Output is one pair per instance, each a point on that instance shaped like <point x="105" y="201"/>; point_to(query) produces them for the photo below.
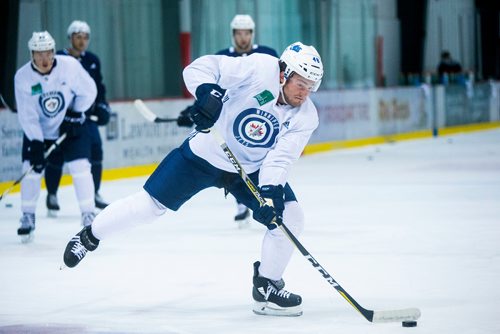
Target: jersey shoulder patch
<point x="264" y="97"/>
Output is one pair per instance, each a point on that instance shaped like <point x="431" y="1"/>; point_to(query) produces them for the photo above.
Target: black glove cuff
<point x="74" y="117"/>
<point x="36" y="145"/>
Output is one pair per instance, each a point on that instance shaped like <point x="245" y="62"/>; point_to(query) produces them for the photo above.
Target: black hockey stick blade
<point x="149" y="115"/>
<point x="409" y="314"/>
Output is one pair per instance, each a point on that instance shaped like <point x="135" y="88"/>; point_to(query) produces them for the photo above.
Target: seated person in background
<point x="448" y="66"/>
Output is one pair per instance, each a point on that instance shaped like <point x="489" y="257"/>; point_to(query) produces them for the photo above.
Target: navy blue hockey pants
<point x="182" y="174"/>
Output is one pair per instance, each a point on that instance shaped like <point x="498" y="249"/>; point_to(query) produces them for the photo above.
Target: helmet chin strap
<point x="282" y="85"/>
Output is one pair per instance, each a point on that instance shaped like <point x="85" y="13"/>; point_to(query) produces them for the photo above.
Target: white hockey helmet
<point x="242" y="22"/>
<point x="78" y="26"/>
<point x="41" y="41"/>
<point x="303" y="60"/>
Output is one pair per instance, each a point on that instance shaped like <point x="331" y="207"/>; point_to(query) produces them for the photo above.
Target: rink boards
<point x="348" y="118"/>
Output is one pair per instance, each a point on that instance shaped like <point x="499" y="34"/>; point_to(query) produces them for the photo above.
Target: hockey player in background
<point x="79" y="36"/>
<point x="52" y="95"/>
<point x="261" y="107"/>
<point x="242" y="36"/>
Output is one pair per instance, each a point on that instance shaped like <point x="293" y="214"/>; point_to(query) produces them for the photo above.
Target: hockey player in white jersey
<point x="261" y="106"/>
<point x="242" y="36"/>
<point x="52" y="94"/>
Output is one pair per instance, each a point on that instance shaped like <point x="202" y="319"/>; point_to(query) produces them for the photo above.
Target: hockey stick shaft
<point x="255" y="191"/>
<point x="149" y="115"/>
<point x="46" y="155"/>
<point x="372" y="316"/>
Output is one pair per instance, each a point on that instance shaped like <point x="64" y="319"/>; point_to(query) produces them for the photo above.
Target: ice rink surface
<point x="409" y="224"/>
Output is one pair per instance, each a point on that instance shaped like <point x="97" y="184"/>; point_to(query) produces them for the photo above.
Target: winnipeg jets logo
<point x="255" y="128"/>
<point x="51" y="103"/>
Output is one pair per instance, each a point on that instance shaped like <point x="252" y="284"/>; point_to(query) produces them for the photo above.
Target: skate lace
<point x="280" y="293"/>
<point x="78" y="249"/>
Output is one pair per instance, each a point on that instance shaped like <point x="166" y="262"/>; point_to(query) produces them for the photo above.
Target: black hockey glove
<point x="72" y="124"/>
<point x="271" y="213"/>
<point x="184" y="119"/>
<point x="206" y="110"/>
<point x="36" y="155"/>
<point x="102" y="111"/>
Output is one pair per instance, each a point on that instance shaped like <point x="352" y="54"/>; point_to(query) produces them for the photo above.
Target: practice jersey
<point x="231" y="52"/>
<point x="42" y="99"/>
<point x="92" y="65"/>
<point x="261" y="133"/>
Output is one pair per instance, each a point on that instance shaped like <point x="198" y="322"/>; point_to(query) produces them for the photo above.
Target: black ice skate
<point x="242" y="217"/>
<point x="99" y="202"/>
<point x="78" y="247"/>
<point x="25" y="231"/>
<point x="272" y="299"/>
<point x="52" y="205"/>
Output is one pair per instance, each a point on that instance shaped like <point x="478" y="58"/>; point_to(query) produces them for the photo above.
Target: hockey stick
<point x="149" y="115"/>
<point x="46" y="155"/>
<point x="409" y="314"/>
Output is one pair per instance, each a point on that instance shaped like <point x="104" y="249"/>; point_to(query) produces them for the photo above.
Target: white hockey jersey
<point x="42" y="99"/>
<point x="261" y="133"/>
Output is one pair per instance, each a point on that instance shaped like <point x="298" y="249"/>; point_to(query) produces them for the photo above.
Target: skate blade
<point x="243" y="224"/>
<point x="52" y="213"/>
<point x="27" y="238"/>
<point x="263" y="308"/>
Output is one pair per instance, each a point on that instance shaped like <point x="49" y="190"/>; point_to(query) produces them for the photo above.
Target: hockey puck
<point x="409" y="324"/>
<point x="8" y="205"/>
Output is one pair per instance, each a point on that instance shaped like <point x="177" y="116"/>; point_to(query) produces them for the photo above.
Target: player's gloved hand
<point x="72" y="124"/>
<point x="206" y="110"/>
<point x="36" y="154"/>
<point x="184" y="119"/>
<point x="102" y="111"/>
<point x="271" y="213"/>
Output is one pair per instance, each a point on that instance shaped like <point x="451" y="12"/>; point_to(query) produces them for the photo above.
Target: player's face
<point x="43" y="60"/>
<point x="297" y="89"/>
<point x="80" y="41"/>
<point x="243" y="39"/>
